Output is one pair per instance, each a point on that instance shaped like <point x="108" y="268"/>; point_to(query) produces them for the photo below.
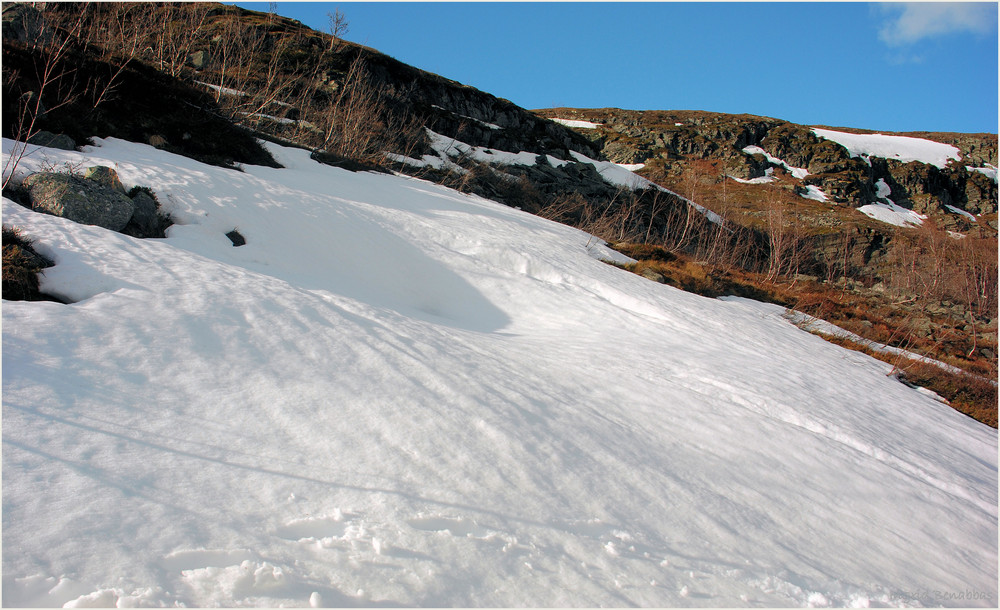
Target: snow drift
<point x="397" y="394"/>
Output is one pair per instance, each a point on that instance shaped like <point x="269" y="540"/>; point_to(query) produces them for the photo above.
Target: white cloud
<point x="913" y="21"/>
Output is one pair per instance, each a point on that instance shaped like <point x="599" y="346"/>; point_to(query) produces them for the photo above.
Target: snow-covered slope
<point x="399" y="394"/>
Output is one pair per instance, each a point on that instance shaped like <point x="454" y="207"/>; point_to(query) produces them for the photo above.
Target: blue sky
<point x="884" y="66"/>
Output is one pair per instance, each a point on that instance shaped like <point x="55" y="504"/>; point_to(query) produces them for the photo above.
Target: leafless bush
<point x="175" y="29"/>
<point x="787" y="246"/>
<point x="56" y="81"/>
<point x="337" y="28"/>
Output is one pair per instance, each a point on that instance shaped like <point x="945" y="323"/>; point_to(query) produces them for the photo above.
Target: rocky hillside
<point x="740" y="146"/>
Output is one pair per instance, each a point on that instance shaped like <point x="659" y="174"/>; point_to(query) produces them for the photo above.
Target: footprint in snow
<point x="195" y="559"/>
<point x="456" y="527"/>
<point x="299" y="529"/>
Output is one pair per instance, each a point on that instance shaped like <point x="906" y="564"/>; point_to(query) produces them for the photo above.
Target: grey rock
<point x="145" y="220"/>
<point x="198" y="59"/>
<point x="656" y="276"/>
<point x="102" y="174"/>
<point x="51" y="140"/>
<point x="79" y="200"/>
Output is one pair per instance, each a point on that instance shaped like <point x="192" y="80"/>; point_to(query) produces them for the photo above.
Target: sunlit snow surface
<point x="901" y="148"/>
<point x="578" y="124"/>
<point x="397" y="394"/>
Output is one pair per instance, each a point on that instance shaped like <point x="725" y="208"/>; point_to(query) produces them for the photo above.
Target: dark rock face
<point x="146" y="103"/>
<point x="23" y="23"/>
<point x="78" y="199"/>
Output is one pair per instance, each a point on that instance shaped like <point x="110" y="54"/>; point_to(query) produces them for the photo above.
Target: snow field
<point x="399" y="394"/>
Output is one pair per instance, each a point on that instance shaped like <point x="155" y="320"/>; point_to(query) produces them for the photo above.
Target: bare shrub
<point x="55" y="82"/>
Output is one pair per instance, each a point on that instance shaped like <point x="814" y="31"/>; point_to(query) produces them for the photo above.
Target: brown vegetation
<point x="867" y="315"/>
<point x="21" y="265"/>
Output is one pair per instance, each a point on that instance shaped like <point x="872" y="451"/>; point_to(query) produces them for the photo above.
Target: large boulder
<point x="78" y="199"/>
<point x="51" y="140"/>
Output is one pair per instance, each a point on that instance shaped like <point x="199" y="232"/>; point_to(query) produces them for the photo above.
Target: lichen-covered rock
<point x="78" y="199"/>
<point x="102" y="174"/>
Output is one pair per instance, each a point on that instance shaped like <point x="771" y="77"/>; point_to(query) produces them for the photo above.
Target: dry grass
<point x="20" y="268"/>
<point x="972" y="395"/>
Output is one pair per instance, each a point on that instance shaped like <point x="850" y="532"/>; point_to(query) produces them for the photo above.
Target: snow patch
<point x="614" y="173"/>
<point x="882" y="190"/>
<point x="960" y="212"/>
<point x="815" y="193"/>
<point x="223" y="90"/>
<point x="990" y="171"/>
<point x="767" y="177"/>
<point x="901" y="148"/>
<point x="493" y="126"/>
<point x="276" y="119"/>
<point x="796" y="172"/>
<point x="577" y="124"/>
<point x="892" y="214"/>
